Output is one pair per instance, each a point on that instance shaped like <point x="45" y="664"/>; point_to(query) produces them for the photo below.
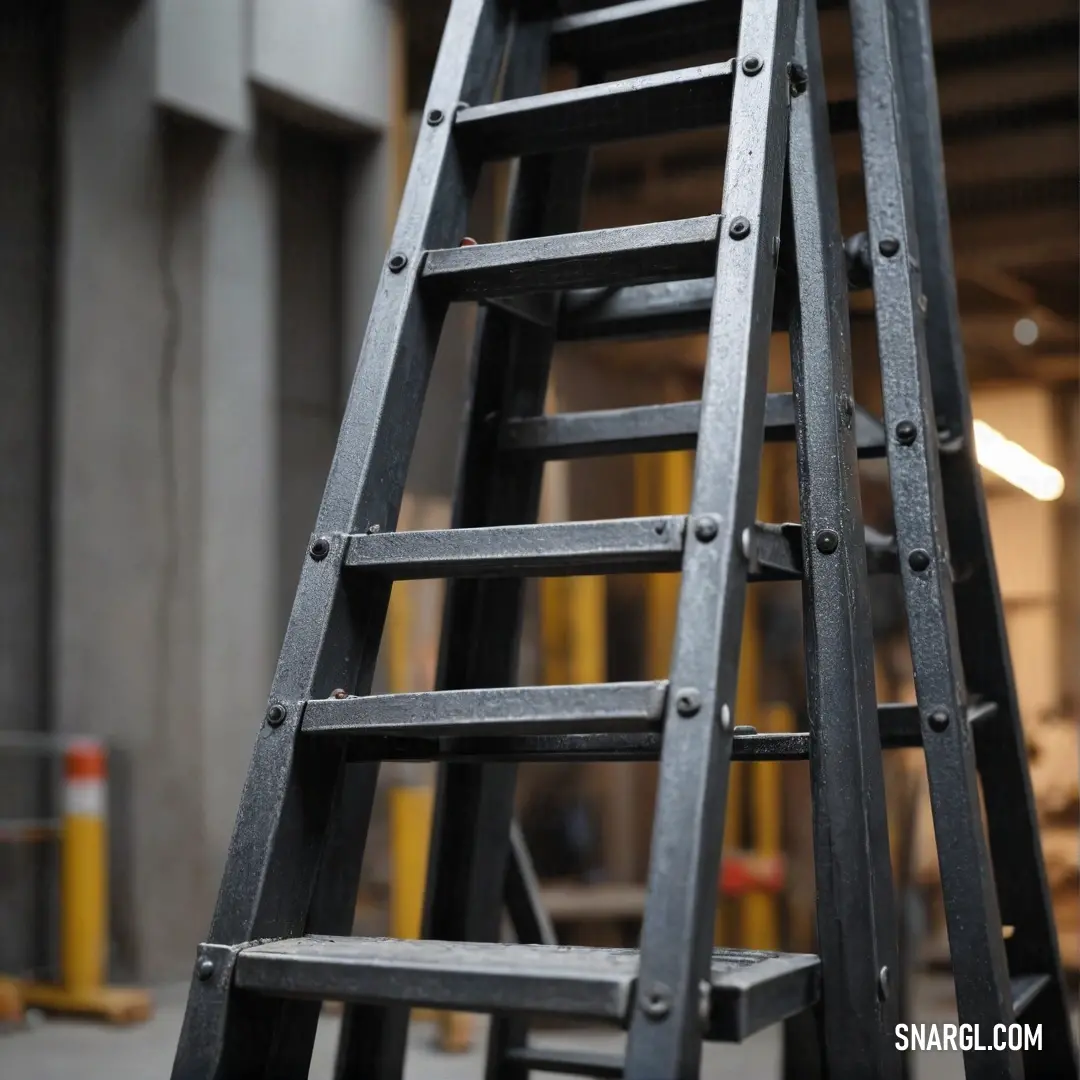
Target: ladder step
<point x="572" y="548"/>
<point x="749" y="989"/>
<point x="1025" y="989"/>
<point x="592" y="722"/>
<point x="670" y="101"/>
<point x="644" y="31"/>
<point x="663" y="309"/>
<point x="635" y="254"/>
<point x="652" y="428"/>
<point x="623" y="545"/>
<point x="633" y="706"/>
<point x="548" y="1059"/>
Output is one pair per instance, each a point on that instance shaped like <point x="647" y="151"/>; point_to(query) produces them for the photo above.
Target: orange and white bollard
<point x="84" y="899"/>
<point x="84" y="887"/>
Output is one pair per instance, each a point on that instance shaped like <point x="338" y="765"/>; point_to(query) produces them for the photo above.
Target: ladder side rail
<point x="677" y="932"/>
<point x="282" y="826"/>
<point x="856" y="917"/>
<point x="972" y="914"/>
<point x="470" y="839"/>
<point x="1012" y="821"/>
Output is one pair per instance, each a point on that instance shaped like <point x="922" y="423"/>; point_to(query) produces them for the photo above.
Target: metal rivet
<point x="938" y="720"/>
<point x="204" y="968"/>
<point x="745" y="729"/>
<point x="889" y="246"/>
<point x="320" y="548"/>
<point x="883" y="984"/>
<point x="373" y="529"/>
<point x="725" y="717"/>
<point x="740" y="229"/>
<point x="688" y="702"/>
<point x="339" y="694"/>
<point x="798" y="78"/>
<point x="467" y="241"/>
<point x="919" y="559"/>
<point x="706" y="528"/>
<point x="847" y="408"/>
<point x="827" y="541"/>
<point x="923" y="303"/>
<point x="752" y="65"/>
<point x="906" y="432"/>
<point x="435" y="117"/>
<point x="276" y="714"/>
<point x="398" y="262"/>
<point x="657" y="1002"/>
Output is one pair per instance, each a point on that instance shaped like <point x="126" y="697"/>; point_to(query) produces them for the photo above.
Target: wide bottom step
<point x="750" y="990"/>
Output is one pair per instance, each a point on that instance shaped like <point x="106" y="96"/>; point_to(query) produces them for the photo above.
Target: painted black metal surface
<point x="665" y="1034"/>
<point x="856" y="918"/>
<point x="632" y="255"/>
<point x="745" y="990"/>
<point x="271" y="884"/>
<point x="589" y="115"/>
<point x="276" y="945"/>
<point x="655" y="428"/>
<point x="1001" y="755"/>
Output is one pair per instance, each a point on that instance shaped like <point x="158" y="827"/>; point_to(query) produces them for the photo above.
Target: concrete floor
<point x="58" y="1049"/>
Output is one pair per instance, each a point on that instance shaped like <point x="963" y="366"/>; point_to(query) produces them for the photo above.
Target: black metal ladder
<point x="280" y="939"/>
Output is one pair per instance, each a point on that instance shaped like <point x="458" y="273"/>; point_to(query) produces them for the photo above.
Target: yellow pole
<point x="83" y="862"/>
<point x="410" y="836"/>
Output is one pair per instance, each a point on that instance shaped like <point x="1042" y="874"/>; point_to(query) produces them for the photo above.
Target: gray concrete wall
<point x="213" y="272"/>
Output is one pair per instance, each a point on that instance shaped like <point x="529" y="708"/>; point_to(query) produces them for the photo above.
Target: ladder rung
<point x="633" y="706"/>
<point x="635" y="254"/>
<point x="652" y="428"/>
<point x="749" y="989"/>
<point x="644" y="31"/>
<point x="669" y="101"/>
<point x="637" y="311"/>
<point x="1025" y="989"/>
<point x="624" y="545"/>
<point x="550" y="1059"/>
<point x="898" y="723"/>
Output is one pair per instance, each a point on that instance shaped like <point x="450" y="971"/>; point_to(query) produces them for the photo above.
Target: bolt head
<point x="688" y="702"/>
<point x="827" y="541"/>
<point x="435" y="117"/>
<point x="889" y="247"/>
<point x="798" y="78"/>
<point x="656" y="1002"/>
<point x="706" y="528"/>
<point x="739" y="229"/>
<point x="938" y="720"/>
<point x="398" y="262"/>
<point x="204" y="968"/>
<point x="752" y="65"/>
<point x="275" y="715"/>
<point x="919" y="560"/>
<point x="320" y="548"/>
<point x="883" y="984"/>
<point x="906" y="432"/>
<point x="373" y="529"/>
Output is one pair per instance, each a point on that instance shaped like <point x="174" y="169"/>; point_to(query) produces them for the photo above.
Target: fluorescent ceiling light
<point x="1020" y="467"/>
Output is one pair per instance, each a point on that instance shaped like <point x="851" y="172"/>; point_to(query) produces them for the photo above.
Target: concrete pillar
<point x="163" y="614"/>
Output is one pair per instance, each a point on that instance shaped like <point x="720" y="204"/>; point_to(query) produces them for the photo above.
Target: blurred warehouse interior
<point x="195" y="202"/>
